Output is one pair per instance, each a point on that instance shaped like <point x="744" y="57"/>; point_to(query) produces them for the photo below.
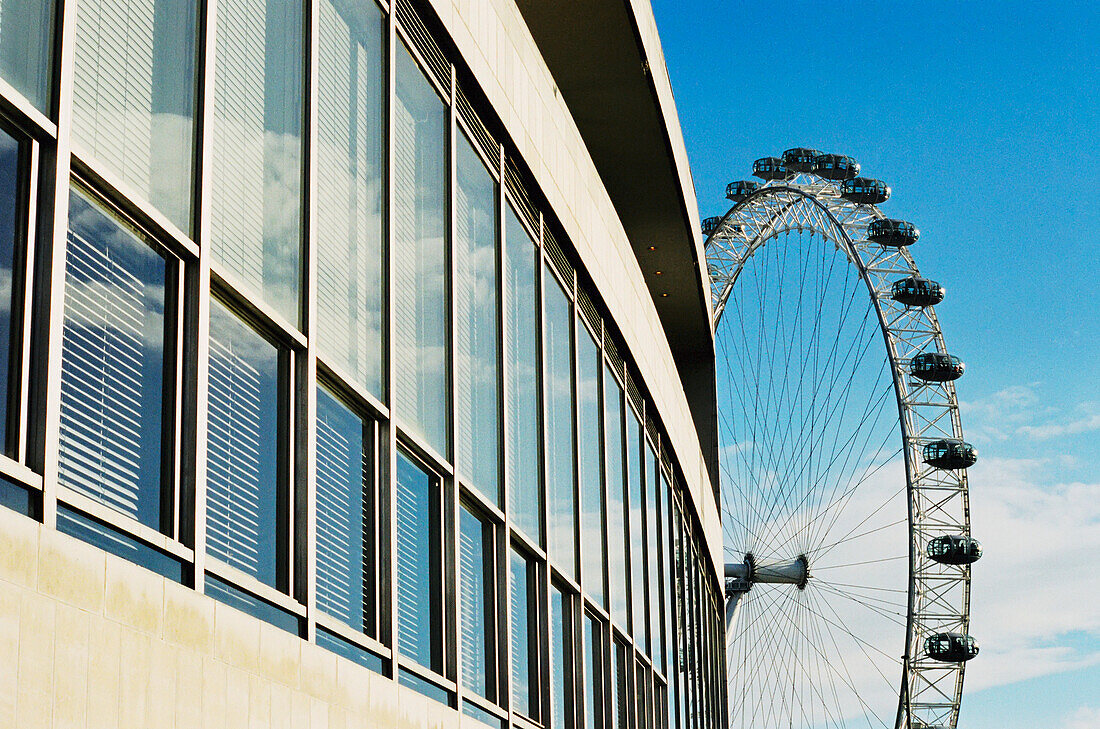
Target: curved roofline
<point x="606" y="58"/>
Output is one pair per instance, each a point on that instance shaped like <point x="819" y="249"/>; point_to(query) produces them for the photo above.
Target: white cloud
<point x="1018" y="412"/>
<point x="1056" y="430"/>
<point x="1034" y="588"/>
<point x="1085" y="717"/>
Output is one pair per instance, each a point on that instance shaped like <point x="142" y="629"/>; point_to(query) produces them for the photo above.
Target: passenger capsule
<point x="950" y="647"/>
<point x="865" y="191"/>
<point x="936" y="367"/>
<point x="919" y="724"/>
<point x="711" y="224"/>
<point x="954" y="549"/>
<point x="950" y="454"/>
<point x="738" y="191"/>
<point x="915" y="291"/>
<point x="771" y="168"/>
<point x="893" y="233"/>
<point x="835" y="167"/>
<point x="800" y="159"/>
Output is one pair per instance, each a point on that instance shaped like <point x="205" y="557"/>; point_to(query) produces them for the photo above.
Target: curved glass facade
<point x="289" y="324"/>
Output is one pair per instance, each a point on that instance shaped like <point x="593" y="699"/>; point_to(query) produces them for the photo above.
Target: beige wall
<point x="90" y="640"/>
<point x="493" y="39"/>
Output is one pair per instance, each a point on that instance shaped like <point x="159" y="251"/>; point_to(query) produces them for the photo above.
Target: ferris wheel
<point x="845" y="505"/>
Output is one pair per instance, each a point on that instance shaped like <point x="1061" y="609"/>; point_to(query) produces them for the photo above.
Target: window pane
<point x="118" y="543"/>
<point x="134" y="95"/>
<point x="561" y="660"/>
<point x="641" y="687"/>
<point x="420" y="255"/>
<point x="593" y="675"/>
<point x="255" y="226"/>
<point x="26" y="48"/>
<point x="616" y="497"/>
<point x="243" y="453"/>
<point x="350" y="148"/>
<point x="559" y="424"/>
<point x="655" y="558"/>
<point x="524" y="640"/>
<point x="477" y="368"/>
<point x="112" y="364"/>
<point x="522" y="386"/>
<point x="672" y="602"/>
<point x="636" y="538"/>
<point x="589" y="438"/>
<point x="12" y="213"/>
<point x="475" y="570"/>
<point x="418" y="584"/>
<point x="345" y="510"/>
<point x="620" y="689"/>
<point x="660" y="707"/>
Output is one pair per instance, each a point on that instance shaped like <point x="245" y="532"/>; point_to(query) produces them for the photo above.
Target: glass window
<point x="420" y="255"/>
<point x="636" y="539"/>
<point x="245" y="512"/>
<point x="12" y="233"/>
<point x="521" y="390"/>
<point x="477" y="368"/>
<point x="15" y="496"/>
<point x="256" y="200"/>
<point x="620" y="688"/>
<point x="118" y="543"/>
<point x="594" y="706"/>
<point x="114" y="401"/>
<point x="655" y="534"/>
<point x="26" y="48"/>
<point x="559" y="425"/>
<point x="561" y="660"/>
<point x="589" y="468"/>
<point x="345" y="513"/>
<point x="671" y="599"/>
<point x="641" y="699"/>
<point x="614" y="453"/>
<point x="134" y="96"/>
<point x="676" y="583"/>
<point x="525" y="644"/>
<point x="660" y="706"/>
<point x="476" y="603"/>
<point x="350" y="189"/>
<point x="419" y="581"/>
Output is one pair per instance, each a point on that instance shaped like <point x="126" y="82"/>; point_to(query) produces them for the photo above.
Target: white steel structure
<point x="823" y="504"/>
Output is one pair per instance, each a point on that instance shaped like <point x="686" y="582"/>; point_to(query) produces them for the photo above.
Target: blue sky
<point x="985" y="120"/>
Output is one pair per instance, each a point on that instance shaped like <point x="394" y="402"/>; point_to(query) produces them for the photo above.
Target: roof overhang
<point x="606" y="58"/>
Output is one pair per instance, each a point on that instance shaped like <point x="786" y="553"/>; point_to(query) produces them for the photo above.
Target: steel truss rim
<point x="929" y="692"/>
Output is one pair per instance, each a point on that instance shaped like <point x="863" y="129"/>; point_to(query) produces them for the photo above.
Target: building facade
<point x="358" y="369"/>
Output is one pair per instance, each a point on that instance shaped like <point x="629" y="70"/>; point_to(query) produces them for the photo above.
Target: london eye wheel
<point x="845" y="505"/>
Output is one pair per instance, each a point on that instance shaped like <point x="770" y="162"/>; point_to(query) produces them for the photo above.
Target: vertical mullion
<point x="179" y="408"/>
<point x="31" y="211"/>
<point x="501" y="496"/>
<point x="388" y="567"/>
<point x="573" y="687"/>
<point x="503" y="573"/>
<point x="452" y="646"/>
<point x="56" y="292"/>
<point x="306" y="552"/>
<point x="542" y="583"/>
<point x="200" y="295"/>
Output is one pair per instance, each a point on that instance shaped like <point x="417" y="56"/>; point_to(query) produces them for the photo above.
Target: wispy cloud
<point x="1034" y="605"/>
<point x="1085" y="717"/>
<point x="1047" y="431"/>
<point x="1019" y="412"/>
